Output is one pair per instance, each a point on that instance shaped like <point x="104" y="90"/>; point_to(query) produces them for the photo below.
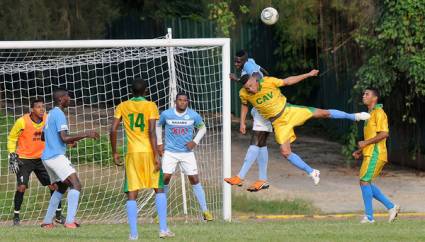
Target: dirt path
<point x="338" y="191"/>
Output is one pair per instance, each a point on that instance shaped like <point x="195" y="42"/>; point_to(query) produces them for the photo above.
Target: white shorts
<point x="186" y="160"/>
<point x="260" y="123"/>
<point x="59" y="168"/>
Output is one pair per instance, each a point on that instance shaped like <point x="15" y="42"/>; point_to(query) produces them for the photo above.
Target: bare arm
<point x="113" y="134"/>
<point x="244" y="112"/>
<point x="264" y="71"/>
<point x="153" y="141"/>
<point x="70" y="139"/>
<point x="292" y="80"/>
<point x="380" y="136"/>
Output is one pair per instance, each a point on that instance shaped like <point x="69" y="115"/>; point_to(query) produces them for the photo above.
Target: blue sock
<point x="378" y="195"/>
<point x="250" y="157"/>
<point x="161" y="208"/>
<point x="53" y="205"/>
<point x="73" y="196"/>
<point x="166" y="188"/>
<point x="132" y="217"/>
<point x="367" y="200"/>
<point x="200" y="195"/>
<point x="299" y="163"/>
<point x="263" y="158"/>
<point x="336" y="114"/>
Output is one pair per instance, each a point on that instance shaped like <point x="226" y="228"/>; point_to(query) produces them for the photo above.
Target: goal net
<point x="98" y="74"/>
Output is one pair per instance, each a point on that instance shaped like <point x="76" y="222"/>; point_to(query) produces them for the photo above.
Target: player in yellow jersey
<point x="374" y="151"/>
<point x="265" y="95"/>
<point x="142" y="163"/>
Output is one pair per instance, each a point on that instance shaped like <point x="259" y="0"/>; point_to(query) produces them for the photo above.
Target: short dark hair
<point x="139" y="87"/>
<point x="375" y="91"/>
<point x="241" y="53"/>
<point x="37" y="100"/>
<point x="244" y="79"/>
<point x="182" y="94"/>
<point x="58" y="93"/>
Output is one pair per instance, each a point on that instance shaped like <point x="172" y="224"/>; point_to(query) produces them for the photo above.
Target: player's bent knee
<point x="364" y="183"/>
<point x="62" y="187"/>
<point x="194" y="179"/>
<point x="21" y="188"/>
<point x="167" y="178"/>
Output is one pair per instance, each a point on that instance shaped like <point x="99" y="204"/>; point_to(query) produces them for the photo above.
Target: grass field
<point x="250" y="230"/>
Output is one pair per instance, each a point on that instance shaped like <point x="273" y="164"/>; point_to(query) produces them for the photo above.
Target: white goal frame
<point x="224" y="43"/>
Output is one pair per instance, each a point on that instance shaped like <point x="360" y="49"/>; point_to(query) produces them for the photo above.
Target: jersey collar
<point x="140" y="98"/>
<point x="260" y="82"/>
<point x="180" y="114"/>
<point x="377" y="106"/>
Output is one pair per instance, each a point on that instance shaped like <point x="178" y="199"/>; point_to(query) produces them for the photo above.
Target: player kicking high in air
<point x="142" y="164"/>
<point x="374" y="151"/>
<point x="180" y="123"/>
<point x="264" y="94"/>
<point x="57" y="164"/>
<point x="25" y="148"/>
<point x="261" y="129"/>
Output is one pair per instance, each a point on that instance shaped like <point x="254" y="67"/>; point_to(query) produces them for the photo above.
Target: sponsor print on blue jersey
<point x="179" y="128"/>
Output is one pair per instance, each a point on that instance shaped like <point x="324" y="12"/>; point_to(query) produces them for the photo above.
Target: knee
<point x="364" y="183"/>
<point x="21" y="188"/>
<point x="285" y="152"/>
<point x="323" y="113"/>
<point x="62" y="187"/>
<point x="77" y="186"/>
<point x="167" y="179"/>
<point x="194" y="179"/>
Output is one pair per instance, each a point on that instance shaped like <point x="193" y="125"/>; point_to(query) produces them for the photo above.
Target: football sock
<point x="161" y="207"/>
<point x="73" y="196"/>
<point x="200" y="195"/>
<point x="19" y="197"/>
<point x="132" y="217"/>
<point x="250" y="157"/>
<point x="336" y="114"/>
<point x="60" y="203"/>
<point x="299" y="163"/>
<point x="263" y="158"/>
<point x="53" y="205"/>
<point x="378" y="195"/>
<point x="367" y="200"/>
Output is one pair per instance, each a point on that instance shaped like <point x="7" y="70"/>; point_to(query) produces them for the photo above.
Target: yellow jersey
<point x="135" y="114"/>
<point x="378" y="122"/>
<point x="269" y="101"/>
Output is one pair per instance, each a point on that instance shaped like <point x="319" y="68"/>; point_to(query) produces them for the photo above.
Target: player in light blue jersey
<point x="180" y="123"/>
<point x="59" y="167"/>
<point x="261" y="130"/>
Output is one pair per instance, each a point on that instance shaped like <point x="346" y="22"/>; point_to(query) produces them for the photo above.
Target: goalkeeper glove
<point x="14" y="163"/>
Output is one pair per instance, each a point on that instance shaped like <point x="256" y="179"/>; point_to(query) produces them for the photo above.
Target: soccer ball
<point x="269" y="16"/>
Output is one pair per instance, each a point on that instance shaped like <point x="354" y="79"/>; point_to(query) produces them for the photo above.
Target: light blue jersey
<point x="179" y="128"/>
<point x="55" y="123"/>
<point x="251" y="67"/>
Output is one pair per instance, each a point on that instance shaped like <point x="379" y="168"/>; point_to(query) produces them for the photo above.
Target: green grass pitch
<point x="249" y="230"/>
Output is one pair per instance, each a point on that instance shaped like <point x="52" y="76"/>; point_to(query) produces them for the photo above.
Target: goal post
<point x="98" y="73"/>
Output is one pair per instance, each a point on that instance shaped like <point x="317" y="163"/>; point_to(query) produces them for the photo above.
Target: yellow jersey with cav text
<point x="135" y="114"/>
<point x="269" y="101"/>
<point x="378" y="122"/>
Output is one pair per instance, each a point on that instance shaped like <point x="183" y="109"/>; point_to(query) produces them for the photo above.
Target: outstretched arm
<point x="70" y="139"/>
<point x="292" y="80"/>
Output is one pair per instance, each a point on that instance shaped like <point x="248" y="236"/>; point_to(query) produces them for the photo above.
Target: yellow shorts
<point x="292" y="116"/>
<point x="140" y="172"/>
<point x="371" y="168"/>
